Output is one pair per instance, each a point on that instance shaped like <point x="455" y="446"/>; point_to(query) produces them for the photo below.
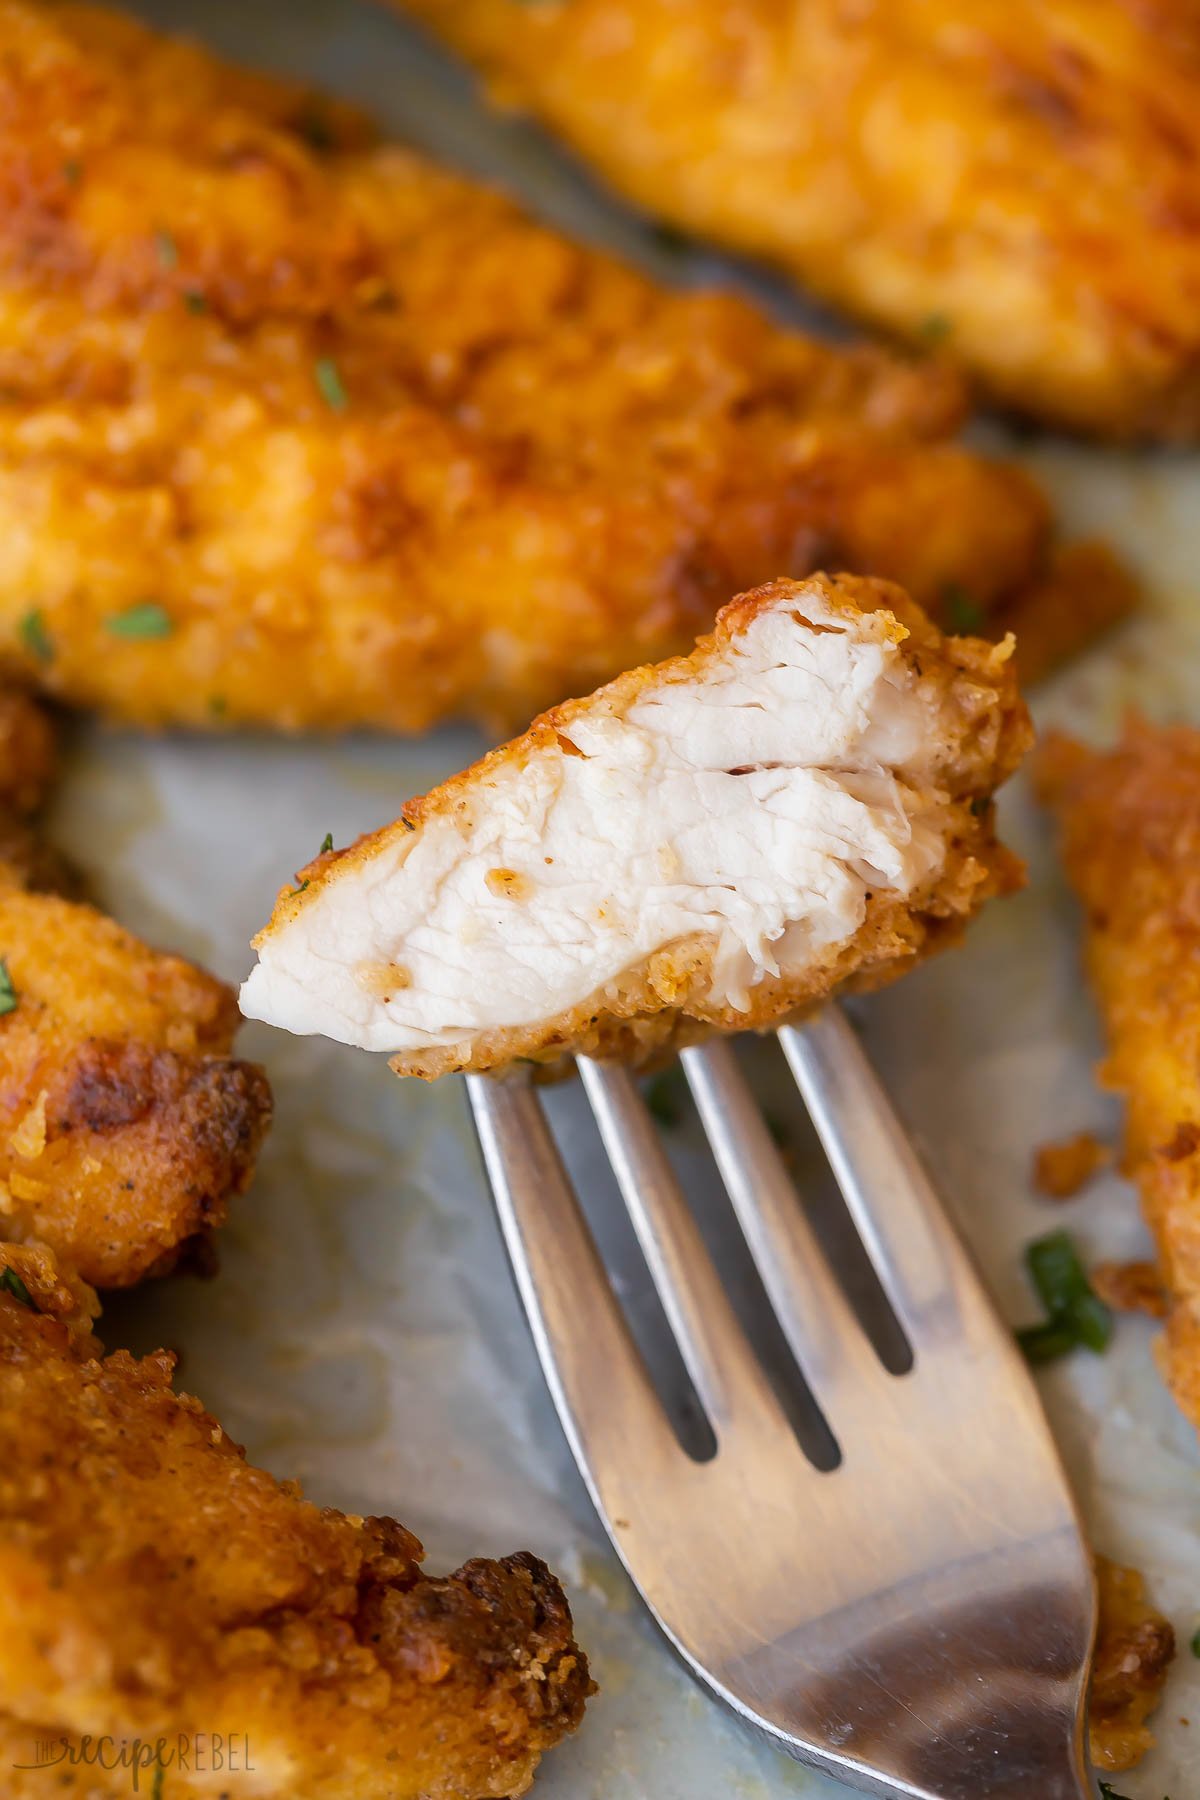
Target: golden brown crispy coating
<point x="320" y="437"/>
<point x="1012" y="180"/>
<point x="672" y="998"/>
<point x="125" y="1124"/>
<point x="1134" y="1650"/>
<point x="28" y="762"/>
<point x="152" y="1584"/>
<point x="1130" y="826"/>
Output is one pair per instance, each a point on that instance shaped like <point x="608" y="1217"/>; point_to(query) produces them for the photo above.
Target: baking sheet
<point x="363" y="1333"/>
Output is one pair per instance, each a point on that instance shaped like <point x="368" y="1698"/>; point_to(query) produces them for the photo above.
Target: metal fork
<point x="917" y="1621"/>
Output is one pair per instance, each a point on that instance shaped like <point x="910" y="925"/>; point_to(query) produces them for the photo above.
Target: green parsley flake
<point x="1077" y="1319"/>
<point x="35" y="637"/>
<point x="1110" y="1793"/>
<point x="1196" y="1641"/>
<point x="11" y="1282"/>
<point x="8" y="993"/>
<point x="218" y="706"/>
<point x="299" y="888"/>
<point x="963" y="614"/>
<point x="936" y="328"/>
<point x="167" y="248"/>
<point x="195" y="302"/>
<point x="1046" y="1343"/>
<point x="326" y="844"/>
<point x="665" y="1095"/>
<point x="72" y="172"/>
<point x="329" y="381"/>
<point x="145" y="620"/>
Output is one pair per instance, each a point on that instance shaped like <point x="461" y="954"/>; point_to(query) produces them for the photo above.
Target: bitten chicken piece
<point x="1130" y="827"/>
<point x="300" y="432"/>
<point x="1012" y="180"/>
<point x="711" y="844"/>
<point x="125" y="1124"/>
<point x="156" y="1588"/>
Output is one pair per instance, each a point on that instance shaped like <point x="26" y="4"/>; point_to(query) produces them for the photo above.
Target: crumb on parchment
<point x="1062" y="1169"/>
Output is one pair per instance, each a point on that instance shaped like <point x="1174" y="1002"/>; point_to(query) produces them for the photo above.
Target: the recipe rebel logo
<point x="147" y="1762"/>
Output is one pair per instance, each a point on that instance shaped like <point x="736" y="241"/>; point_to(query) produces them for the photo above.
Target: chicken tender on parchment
<point x="1014" y="181"/>
<point x="1130" y="825"/>
<point x="714" y="843"/>
<point x="125" y="1124"/>
<point x="300" y="432"/>
<point x="156" y="1589"/>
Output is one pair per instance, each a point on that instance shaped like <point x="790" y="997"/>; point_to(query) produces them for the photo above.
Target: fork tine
<point x="577" y="1324"/>
<point x="725" y="1372"/>
<point x="826" y="1338"/>
<point x="917" y="1256"/>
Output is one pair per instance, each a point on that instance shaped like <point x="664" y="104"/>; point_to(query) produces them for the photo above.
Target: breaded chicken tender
<point x="125" y="1124"/>
<point x="711" y="844"/>
<point x="300" y="432"/>
<point x="1130" y="826"/>
<point x="1014" y="181"/>
<point x="158" y="1592"/>
<point x="28" y="764"/>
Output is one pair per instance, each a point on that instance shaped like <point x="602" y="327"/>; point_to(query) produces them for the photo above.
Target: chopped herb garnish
<point x="167" y="248"/>
<point x="72" y="172"/>
<point x="1110" y="1793"/>
<point x="664" y="1096"/>
<point x="1056" y="1272"/>
<point x="1076" y="1317"/>
<point x="981" y="805"/>
<point x="326" y="843"/>
<point x="145" y="620"/>
<point x="1196" y="1642"/>
<point x="8" y="993"/>
<point x="218" y="706"/>
<point x="407" y="823"/>
<point x="12" y="1283"/>
<point x="195" y="302"/>
<point x="962" y="612"/>
<point x="299" y="888"/>
<point x="329" y="381"/>
<point x="1046" y="1343"/>
<point x="935" y="328"/>
<point x="35" y="637"/>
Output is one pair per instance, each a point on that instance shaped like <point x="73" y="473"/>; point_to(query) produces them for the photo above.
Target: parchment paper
<point x="363" y="1333"/>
